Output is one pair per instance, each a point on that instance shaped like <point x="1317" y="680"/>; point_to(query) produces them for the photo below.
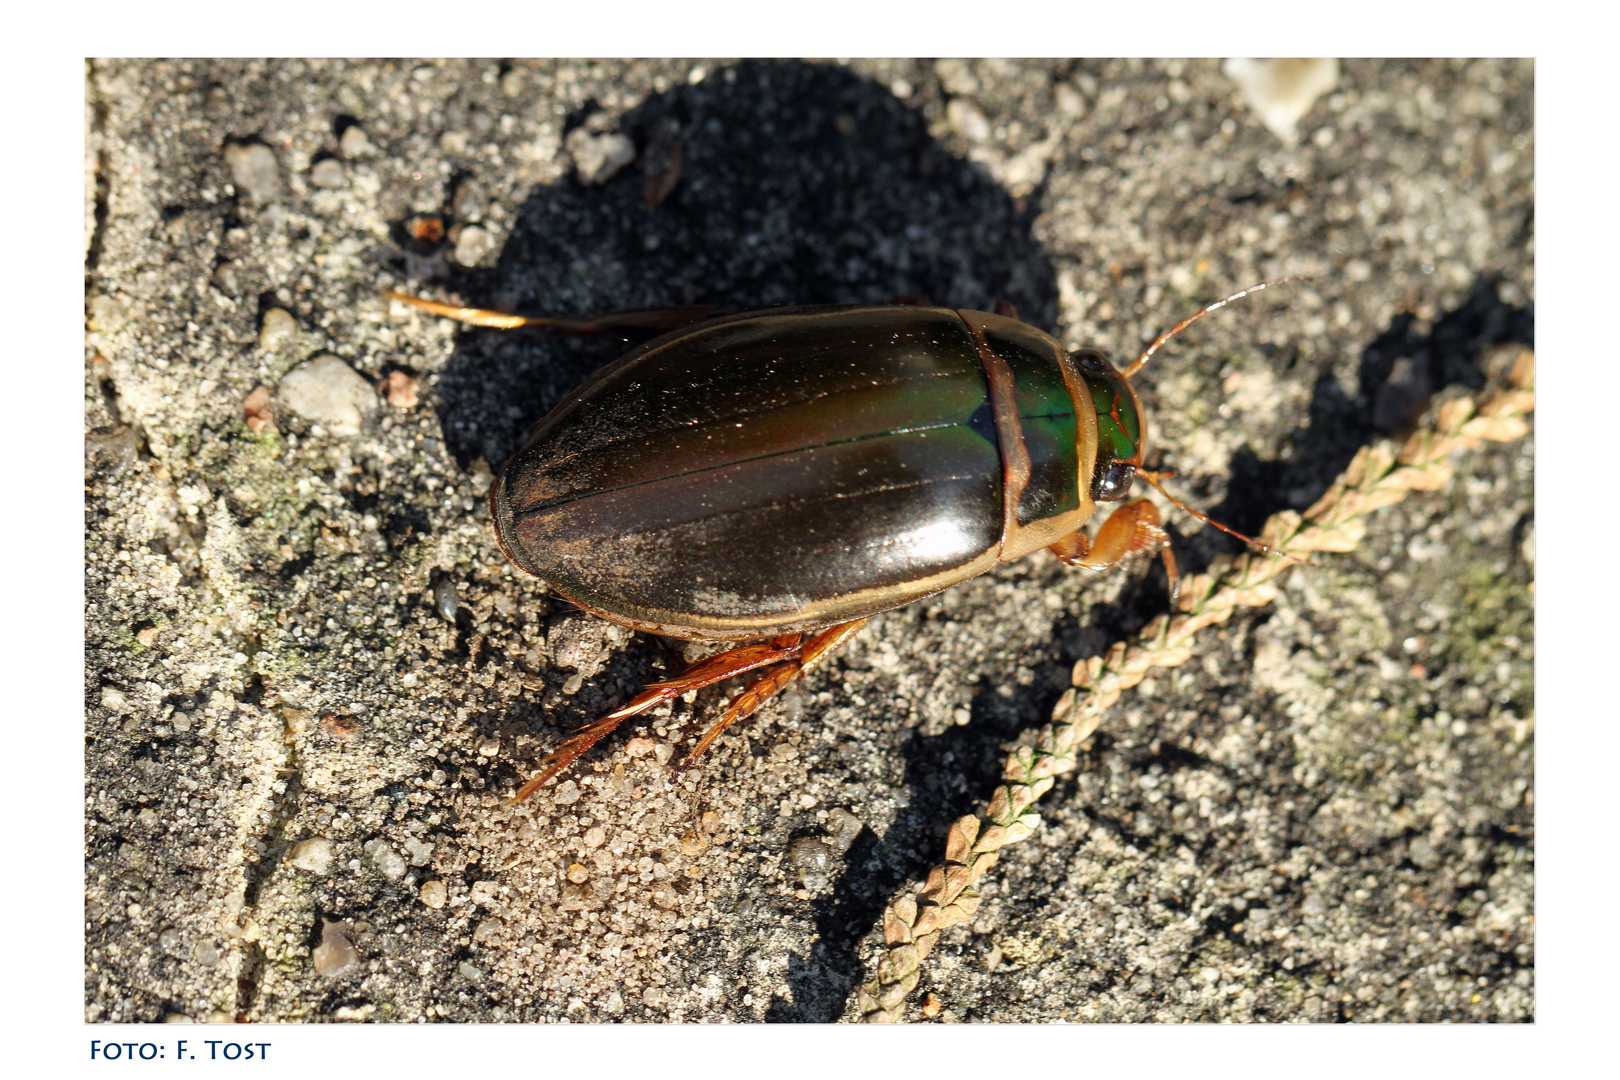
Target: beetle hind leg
<point x="645" y="320"/>
<point x="773" y="680"/>
<point x="1133" y="529"/>
<point x="703" y="673"/>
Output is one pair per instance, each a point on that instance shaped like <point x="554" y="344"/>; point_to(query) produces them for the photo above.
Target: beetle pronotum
<point x="776" y="478"/>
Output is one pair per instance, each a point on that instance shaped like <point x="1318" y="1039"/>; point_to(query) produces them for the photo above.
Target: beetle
<point x="775" y="478"/>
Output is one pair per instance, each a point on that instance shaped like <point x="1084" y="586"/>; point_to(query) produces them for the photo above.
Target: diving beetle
<point x="775" y="478"/>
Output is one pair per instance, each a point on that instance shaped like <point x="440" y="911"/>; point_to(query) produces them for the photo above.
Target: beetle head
<point x="1121" y="433"/>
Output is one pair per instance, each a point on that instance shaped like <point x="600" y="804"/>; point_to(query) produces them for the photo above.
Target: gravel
<point x="1326" y="814"/>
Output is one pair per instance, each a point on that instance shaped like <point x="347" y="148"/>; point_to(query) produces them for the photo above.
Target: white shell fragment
<point x="1283" y="91"/>
<point x="325" y="390"/>
<point x="598" y="158"/>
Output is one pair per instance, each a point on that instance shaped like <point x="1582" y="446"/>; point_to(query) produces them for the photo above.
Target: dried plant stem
<point x="1378" y="476"/>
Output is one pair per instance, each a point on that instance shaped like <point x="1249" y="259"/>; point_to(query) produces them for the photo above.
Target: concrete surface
<point x="1327" y="815"/>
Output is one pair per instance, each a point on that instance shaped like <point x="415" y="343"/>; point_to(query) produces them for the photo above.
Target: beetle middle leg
<point x="1130" y="530"/>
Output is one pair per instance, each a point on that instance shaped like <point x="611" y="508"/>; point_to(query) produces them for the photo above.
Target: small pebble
<point x="325" y="390"/>
<point x="328" y="173"/>
<point x="598" y="158"/>
<point x="445" y="599"/>
<point x="354" y="143"/>
<point x="426" y="229"/>
<point x="227" y="280"/>
<point x="473" y="244"/>
<point x="147" y="636"/>
<point x="256" y="410"/>
<point x="489" y="747"/>
<point x="254" y="171"/>
<point x="578" y="874"/>
<point x="346" y="728"/>
<point x="314" y="855"/>
<point x="842" y="829"/>
<point x="661" y="164"/>
<point x="566" y="793"/>
<point x="693" y="844"/>
<point x="966" y="120"/>
<point x="434" y="894"/>
<point x="386" y="859"/>
<point x="487" y="931"/>
<point x="400" y="389"/>
<point x="812" y="861"/>
<point x="169" y="941"/>
<point x="419" y="850"/>
<point x="276" y="328"/>
<point x="112" y="448"/>
<point x="205" y="954"/>
<point x="468" y="972"/>
<point x="468" y="201"/>
<point x="639" y="747"/>
<point x="335" y="954"/>
<point x="595" y="836"/>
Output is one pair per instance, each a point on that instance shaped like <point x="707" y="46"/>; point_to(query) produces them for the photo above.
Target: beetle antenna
<point x="1136" y="365"/>
<point x="1154" y="478"/>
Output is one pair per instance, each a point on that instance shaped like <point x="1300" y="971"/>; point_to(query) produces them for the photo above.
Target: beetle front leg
<point x="1130" y="530"/>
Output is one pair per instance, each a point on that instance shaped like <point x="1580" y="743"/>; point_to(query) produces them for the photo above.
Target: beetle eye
<point x="1113" y="483"/>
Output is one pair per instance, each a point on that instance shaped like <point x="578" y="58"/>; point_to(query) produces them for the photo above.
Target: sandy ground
<point x="311" y="678"/>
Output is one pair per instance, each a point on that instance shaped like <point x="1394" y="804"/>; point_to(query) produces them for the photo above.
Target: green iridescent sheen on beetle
<point x="1119" y="429"/>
